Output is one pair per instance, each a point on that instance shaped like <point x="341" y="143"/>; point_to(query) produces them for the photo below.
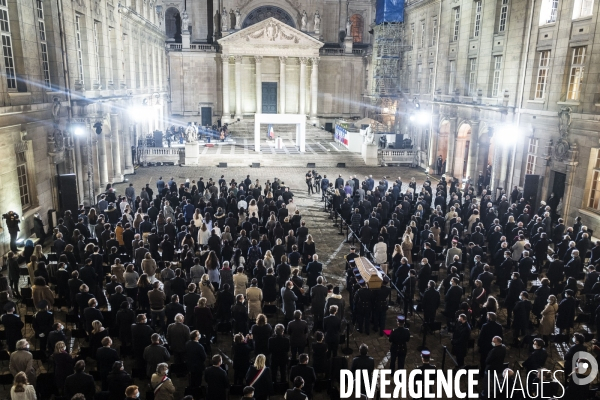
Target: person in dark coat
<point x="556" y="271"/>
<point x="195" y="359"/>
<point x="460" y="339"/>
<point x="12" y="326"/>
<point x="363" y="362"/>
<point x="216" y="380"/>
<point x="579" y="345"/>
<point x="541" y="298"/>
<point x="259" y="377"/>
<point x="521" y="312"/>
<point x="565" y="318"/>
<point x="80" y="382"/>
<point x="140" y="339"/>
<point x="242" y="347"/>
<point x="314" y="269"/>
<point x="537" y="359"/>
<point x="118" y="380"/>
<point x="495" y="358"/>
<point x="307" y="373"/>
<point x="63" y="364"/>
<point x="515" y="287"/>
<point x="452" y="299"/>
<point x="105" y="360"/>
<point x="332" y="326"/>
<point x="431" y="302"/>
<point x="489" y="330"/>
<point x="279" y="347"/>
<point x="398" y="343"/>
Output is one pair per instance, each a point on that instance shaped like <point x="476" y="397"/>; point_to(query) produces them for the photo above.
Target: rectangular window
<point x="594" y="199"/>
<point x="456" y="24"/>
<point x="531" y="156"/>
<point x="22" y="178"/>
<point x="583" y="8"/>
<point x="548" y="11"/>
<point x="110" y="54"/>
<point x="7" y="47"/>
<point x="477" y="25"/>
<point x="430" y="81"/>
<point x="418" y="86"/>
<point x="43" y="43"/>
<point x="97" y="51"/>
<point x="451" y="76"/>
<point x="79" y="45"/>
<point x="542" y="76"/>
<point x="472" y="76"/>
<point x="412" y="34"/>
<point x="503" y="15"/>
<point x="434" y="32"/>
<point x="422" y="34"/>
<point x="576" y="75"/>
<point x="496" y="78"/>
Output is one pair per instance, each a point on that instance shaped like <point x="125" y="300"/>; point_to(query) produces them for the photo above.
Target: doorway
<point x="206" y="113"/>
<point x="269" y="97"/>
<point x="558" y="185"/>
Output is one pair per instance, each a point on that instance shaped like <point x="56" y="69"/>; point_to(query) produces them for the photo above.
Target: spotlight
<point x="79" y="131"/>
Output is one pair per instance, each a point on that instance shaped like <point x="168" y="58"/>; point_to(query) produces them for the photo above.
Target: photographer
<point x="309" y="182"/>
<point x="12" y="223"/>
<point x="317" y="179"/>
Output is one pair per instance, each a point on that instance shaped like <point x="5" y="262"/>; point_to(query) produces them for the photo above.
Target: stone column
<point x="116" y="148"/>
<point x="302" y="89"/>
<point x="314" y="90"/>
<point x="258" y="61"/>
<point x="434" y="134"/>
<point x="282" y="61"/>
<point x="79" y="172"/>
<point x="226" y="118"/>
<point x="238" y="87"/>
<point x="127" y="150"/>
<point x="451" y="147"/>
<point x="102" y="160"/>
<point x="473" y="144"/>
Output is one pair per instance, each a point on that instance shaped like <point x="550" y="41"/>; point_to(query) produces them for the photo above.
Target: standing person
<point x="12" y="223"/>
<point x="398" y="339"/>
<point x="309" y="182"/>
<point x="161" y="383"/>
<point x="279" y="347"/>
<point x="460" y="340"/>
<point x="12" y="326"/>
<point x="304" y="371"/>
<point x="298" y="331"/>
<point x="259" y="377"/>
<point x="21" y="360"/>
<point x="332" y="326"/>
<point x="216" y="379"/>
<point x="195" y="359"/>
<point x="21" y="388"/>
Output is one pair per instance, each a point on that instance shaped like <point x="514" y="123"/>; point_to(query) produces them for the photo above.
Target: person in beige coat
<point x="40" y="291"/>
<point x="546" y="327"/>
<point x="160" y="378"/>
<point x="207" y="290"/>
<point x="254" y="296"/>
<point x="407" y="246"/>
<point x="240" y="282"/>
<point x="22" y="361"/>
<point x="149" y="267"/>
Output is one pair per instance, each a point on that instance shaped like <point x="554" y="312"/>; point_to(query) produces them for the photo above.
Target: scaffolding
<point x="388" y="52"/>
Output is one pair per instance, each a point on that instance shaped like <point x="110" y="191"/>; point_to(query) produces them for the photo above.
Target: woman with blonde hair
<point x="207" y="290"/>
<point x="92" y="221"/>
<point x="63" y="364"/>
<point x="39" y="253"/>
<point x="161" y="384"/>
<point x="98" y="333"/>
<point x="226" y="235"/>
<point x="203" y="234"/>
<point x="254" y="296"/>
<point x="168" y="210"/>
<point x="21" y="389"/>
<point x="240" y="282"/>
<point x="31" y="266"/>
<point x="139" y="218"/>
<point x="546" y="327"/>
<point x="203" y="318"/>
<point x="198" y="218"/>
<point x="259" y="377"/>
<point x="407" y="245"/>
<point x="253" y="208"/>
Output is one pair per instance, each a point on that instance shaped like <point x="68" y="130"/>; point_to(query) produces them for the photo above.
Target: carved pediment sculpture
<point x="561" y="149"/>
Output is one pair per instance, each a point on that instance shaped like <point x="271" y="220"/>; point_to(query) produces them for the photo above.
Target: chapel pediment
<point x="269" y="37"/>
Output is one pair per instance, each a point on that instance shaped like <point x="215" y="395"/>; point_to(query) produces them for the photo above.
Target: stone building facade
<point x="196" y="64"/>
<point x="72" y="72"/>
<point x="512" y="84"/>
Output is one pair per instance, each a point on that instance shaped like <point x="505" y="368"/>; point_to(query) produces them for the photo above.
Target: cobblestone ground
<point x="331" y="249"/>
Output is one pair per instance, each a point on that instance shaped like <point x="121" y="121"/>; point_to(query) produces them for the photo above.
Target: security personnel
<point x="425" y="359"/>
<point x="398" y="339"/>
<point x="380" y="305"/>
<point x="351" y="256"/>
<point x="363" y="302"/>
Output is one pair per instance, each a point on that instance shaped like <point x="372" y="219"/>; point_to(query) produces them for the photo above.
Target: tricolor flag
<point x="270" y="132"/>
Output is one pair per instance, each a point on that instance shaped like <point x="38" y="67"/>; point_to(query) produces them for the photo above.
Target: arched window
<point x="263" y="12"/>
<point x="173" y="24"/>
<point x="357" y="28"/>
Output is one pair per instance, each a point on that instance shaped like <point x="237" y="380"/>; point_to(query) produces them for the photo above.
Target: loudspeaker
<point x="341" y="165"/>
<point x="310" y="165"/>
<point x="531" y="189"/>
<point x="67" y="192"/>
<point x="255" y="165"/>
<point x="222" y="165"/>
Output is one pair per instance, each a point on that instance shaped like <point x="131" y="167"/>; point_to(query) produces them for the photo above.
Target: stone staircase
<point x="244" y="129"/>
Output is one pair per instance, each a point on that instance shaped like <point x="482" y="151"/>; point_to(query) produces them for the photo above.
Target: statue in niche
<point x="224" y="20"/>
<point x="185" y="22"/>
<point x="191" y="133"/>
<point x="348" y="27"/>
<point x="216" y="21"/>
<point x="56" y="109"/>
<point x="317" y="22"/>
<point x="238" y="19"/>
<point x="303" y="21"/>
